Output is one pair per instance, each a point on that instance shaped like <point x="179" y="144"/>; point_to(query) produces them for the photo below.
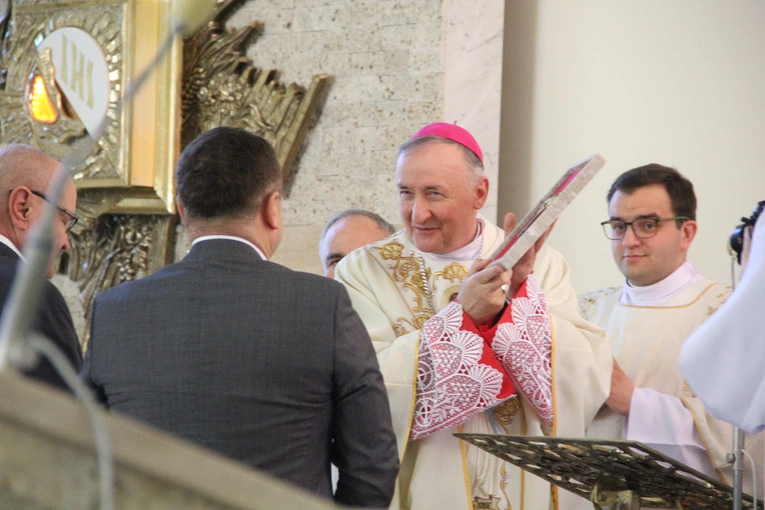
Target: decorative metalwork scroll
<point x="610" y="469"/>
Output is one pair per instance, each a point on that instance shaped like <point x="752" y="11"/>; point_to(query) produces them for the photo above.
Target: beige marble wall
<point x="473" y="49"/>
<point x="385" y="60"/>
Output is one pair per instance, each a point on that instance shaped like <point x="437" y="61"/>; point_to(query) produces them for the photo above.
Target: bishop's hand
<point x="522" y="269"/>
<point x="481" y="294"/>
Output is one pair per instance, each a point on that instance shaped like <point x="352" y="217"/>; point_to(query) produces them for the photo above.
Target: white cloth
<point x="471" y="251"/>
<point x="384" y="281"/>
<point x="724" y="361"/>
<point x="661" y="293"/>
<point x="664" y="413"/>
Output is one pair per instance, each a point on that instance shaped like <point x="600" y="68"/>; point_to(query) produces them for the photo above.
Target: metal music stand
<point x="612" y="474"/>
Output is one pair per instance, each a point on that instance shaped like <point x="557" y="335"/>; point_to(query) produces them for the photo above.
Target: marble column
<point x="473" y="42"/>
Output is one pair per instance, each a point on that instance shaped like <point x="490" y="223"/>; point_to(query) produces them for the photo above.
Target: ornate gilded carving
<point x="222" y="87"/>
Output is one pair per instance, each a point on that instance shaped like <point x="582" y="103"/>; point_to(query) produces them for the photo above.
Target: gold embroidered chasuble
<point x="385" y="282"/>
<point x="646" y="342"/>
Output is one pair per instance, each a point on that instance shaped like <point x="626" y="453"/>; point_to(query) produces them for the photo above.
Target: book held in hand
<point x="547" y="210"/>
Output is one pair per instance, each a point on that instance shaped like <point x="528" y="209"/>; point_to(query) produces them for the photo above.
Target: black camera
<point x="737" y="237"/>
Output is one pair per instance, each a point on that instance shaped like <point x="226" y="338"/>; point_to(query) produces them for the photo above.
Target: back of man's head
<point x="679" y="189"/>
<point x="225" y="173"/>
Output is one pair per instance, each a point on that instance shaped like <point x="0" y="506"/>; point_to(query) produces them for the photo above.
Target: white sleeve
<point x="729" y="345"/>
<point x="663" y="423"/>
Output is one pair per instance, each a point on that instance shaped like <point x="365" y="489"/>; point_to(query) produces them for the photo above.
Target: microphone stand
<point x="737" y="455"/>
<point x="738" y="468"/>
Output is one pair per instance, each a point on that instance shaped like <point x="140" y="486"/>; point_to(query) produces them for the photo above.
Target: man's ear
<point x="687" y="232"/>
<point x="19" y="207"/>
<point x="481" y="192"/>
<point x="272" y="210"/>
<point x="181" y="211"/>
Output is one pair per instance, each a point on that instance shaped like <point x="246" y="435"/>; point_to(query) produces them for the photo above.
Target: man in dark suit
<point x="25" y="173"/>
<point x="266" y="365"/>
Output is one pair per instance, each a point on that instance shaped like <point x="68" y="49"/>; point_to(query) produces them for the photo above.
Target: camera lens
<point x="736" y="240"/>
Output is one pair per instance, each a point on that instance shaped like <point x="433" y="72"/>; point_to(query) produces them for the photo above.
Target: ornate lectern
<point x="614" y="475"/>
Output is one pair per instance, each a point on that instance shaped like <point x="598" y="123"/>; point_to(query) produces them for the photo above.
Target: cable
<point x="100" y="430"/>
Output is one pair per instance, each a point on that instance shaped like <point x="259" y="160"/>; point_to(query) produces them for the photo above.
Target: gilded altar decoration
<point x="65" y="65"/>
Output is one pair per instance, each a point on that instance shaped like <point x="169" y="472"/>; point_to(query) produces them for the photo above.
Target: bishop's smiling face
<point x="439" y="196"/>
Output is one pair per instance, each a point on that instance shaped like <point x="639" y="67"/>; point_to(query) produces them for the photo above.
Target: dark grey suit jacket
<point x="53" y="320"/>
<point x="263" y="364"/>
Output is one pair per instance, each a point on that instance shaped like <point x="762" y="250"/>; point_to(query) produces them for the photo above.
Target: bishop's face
<point x="439" y="197"/>
<point x="648" y="261"/>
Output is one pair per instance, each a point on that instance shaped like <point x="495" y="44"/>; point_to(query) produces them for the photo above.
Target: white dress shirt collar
<point x="230" y="238"/>
<point x="662" y="292"/>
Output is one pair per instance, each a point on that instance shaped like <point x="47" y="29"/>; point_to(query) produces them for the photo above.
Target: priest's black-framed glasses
<point x="643" y="228"/>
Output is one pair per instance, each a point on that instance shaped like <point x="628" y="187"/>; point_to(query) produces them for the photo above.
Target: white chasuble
<point x="665" y="414"/>
<point x="438" y="471"/>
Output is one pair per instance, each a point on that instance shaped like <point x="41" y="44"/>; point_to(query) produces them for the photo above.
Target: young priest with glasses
<point x="652" y="223"/>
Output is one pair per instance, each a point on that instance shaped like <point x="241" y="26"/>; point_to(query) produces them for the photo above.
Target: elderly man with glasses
<point x="651" y="225"/>
<point x="25" y="173"/>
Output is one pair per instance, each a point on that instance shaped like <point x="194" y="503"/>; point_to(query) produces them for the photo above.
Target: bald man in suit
<point x="25" y="173"/>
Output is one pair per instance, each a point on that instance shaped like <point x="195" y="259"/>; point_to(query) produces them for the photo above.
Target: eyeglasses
<point x="72" y="218"/>
<point x="644" y="228"/>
